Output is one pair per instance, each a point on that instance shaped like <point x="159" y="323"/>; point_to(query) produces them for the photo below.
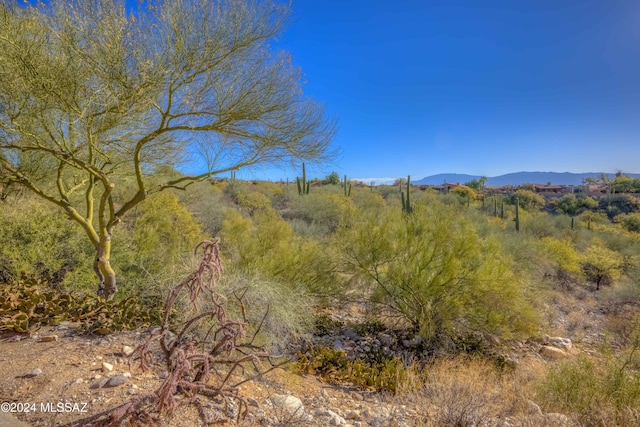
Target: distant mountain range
<point x="518" y="178"/>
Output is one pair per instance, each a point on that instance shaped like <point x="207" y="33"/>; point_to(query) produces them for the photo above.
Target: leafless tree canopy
<point x="92" y="94"/>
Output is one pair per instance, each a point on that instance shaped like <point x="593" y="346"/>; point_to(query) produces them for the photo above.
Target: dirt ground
<point x="51" y="383"/>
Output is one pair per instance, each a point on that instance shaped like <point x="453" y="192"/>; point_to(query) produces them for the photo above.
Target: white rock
<point x="107" y="367"/>
<point x="127" y="350"/>
<point x="553" y="353"/>
<point x="291" y="404"/>
<point x="36" y="372"/>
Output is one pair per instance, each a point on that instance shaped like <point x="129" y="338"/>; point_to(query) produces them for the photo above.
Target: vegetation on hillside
<point x="453" y="272"/>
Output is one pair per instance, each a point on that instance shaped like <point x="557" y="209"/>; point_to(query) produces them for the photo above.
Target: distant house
<point x="552" y="189"/>
<point x="596" y="189"/>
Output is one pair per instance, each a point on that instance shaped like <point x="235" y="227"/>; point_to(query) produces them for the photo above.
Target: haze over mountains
<point x="518" y="178"/>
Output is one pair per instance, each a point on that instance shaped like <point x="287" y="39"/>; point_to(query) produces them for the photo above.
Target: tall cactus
<point x="347" y="187"/>
<point x="303" y="185"/>
<point x="406" y="202"/>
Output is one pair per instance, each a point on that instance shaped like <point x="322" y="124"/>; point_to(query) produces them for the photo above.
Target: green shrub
<point x="39" y="241"/>
<point x="595" y="392"/>
<point x="630" y="222"/>
<point x="435" y="272"/>
<point x="382" y="374"/>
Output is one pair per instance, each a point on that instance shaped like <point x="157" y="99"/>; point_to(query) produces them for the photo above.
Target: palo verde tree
<point x="94" y="98"/>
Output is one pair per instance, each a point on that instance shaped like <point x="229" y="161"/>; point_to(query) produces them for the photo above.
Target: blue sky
<point x="479" y="87"/>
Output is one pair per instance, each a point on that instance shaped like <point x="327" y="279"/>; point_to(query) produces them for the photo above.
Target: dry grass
<point x="465" y="392"/>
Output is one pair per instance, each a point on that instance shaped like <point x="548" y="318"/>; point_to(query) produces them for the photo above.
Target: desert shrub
<point x="593" y="218"/>
<point x="164" y="232"/>
<point x="595" y="392"/>
<point x="326" y="207"/>
<point x="266" y="244"/>
<point x="528" y="199"/>
<point x="601" y="265"/>
<point x="365" y="199"/>
<point x="464" y="192"/>
<point x="619" y="204"/>
<point x="571" y="205"/>
<point x="433" y="270"/>
<point x="380" y="374"/>
<point x="565" y="259"/>
<point x="630" y="222"/>
<point x="206" y="203"/>
<point x="40" y="241"/>
<point x="466" y="392"/>
<point x="281" y="311"/>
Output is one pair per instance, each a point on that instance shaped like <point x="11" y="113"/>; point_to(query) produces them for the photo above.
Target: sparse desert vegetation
<point x="446" y="308"/>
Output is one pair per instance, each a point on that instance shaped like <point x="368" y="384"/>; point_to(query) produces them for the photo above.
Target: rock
<point x="77" y="381"/>
<point x="534" y="409"/>
<point x="36" y="372"/>
<point x="127" y="350"/>
<point x="107" y="367"/>
<point x="289" y="403"/>
<point x="116" y="381"/>
<point x="386" y="340"/>
<point x="252" y="402"/>
<point x="99" y="384"/>
<point x="560" y="342"/>
<point x="552" y="353"/>
<point x="48" y="338"/>
<point x="352" y="415"/>
<point x="414" y="342"/>
<point x="351" y="334"/>
<point x="337" y="420"/>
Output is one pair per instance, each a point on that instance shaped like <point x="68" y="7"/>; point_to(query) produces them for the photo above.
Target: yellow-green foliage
<point x="334" y="367"/>
<point x="266" y="244"/>
<point x="528" y="199"/>
<point x="562" y="254"/>
<point x="601" y="265"/>
<point x="252" y="201"/>
<point x="434" y="270"/>
<point x="596" y="392"/>
<point x="464" y="191"/>
<point x="164" y="231"/>
<point x="39" y="240"/>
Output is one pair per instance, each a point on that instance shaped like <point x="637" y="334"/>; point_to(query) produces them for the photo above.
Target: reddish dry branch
<point x="195" y="368"/>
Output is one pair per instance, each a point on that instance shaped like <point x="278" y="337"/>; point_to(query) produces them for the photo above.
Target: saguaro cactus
<point x="347" y="187"/>
<point x="517" y="218"/>
<point x="303" y="185"/>
<point x="406" y="202"/>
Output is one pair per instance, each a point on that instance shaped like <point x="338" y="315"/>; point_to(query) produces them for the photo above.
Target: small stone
<point x="116" y="381"/>
<point x="127" y="350"/>
<point x="36" y="372"/>
<point x="357" y="396"/>
<point x="48" y="338"/>
<point x="99" y="357"/>
<point x="253" y="402"/>
<point x="131" y="391"/>
<point x="126" y="374"/>
<point x="107" y="367"/>
<point x="554" y="353"/>
<point x="97" y="376"/>
<point x="99" y="384"/>
<point x="352" y="415"/>
<point x="163" y="375"/>
<point x="77" y="381"/>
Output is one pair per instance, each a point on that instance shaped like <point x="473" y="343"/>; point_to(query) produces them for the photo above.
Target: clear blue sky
<point x="481" y="87"/>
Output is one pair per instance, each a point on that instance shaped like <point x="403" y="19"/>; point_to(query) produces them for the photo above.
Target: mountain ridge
<point x="518" y="178"/>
